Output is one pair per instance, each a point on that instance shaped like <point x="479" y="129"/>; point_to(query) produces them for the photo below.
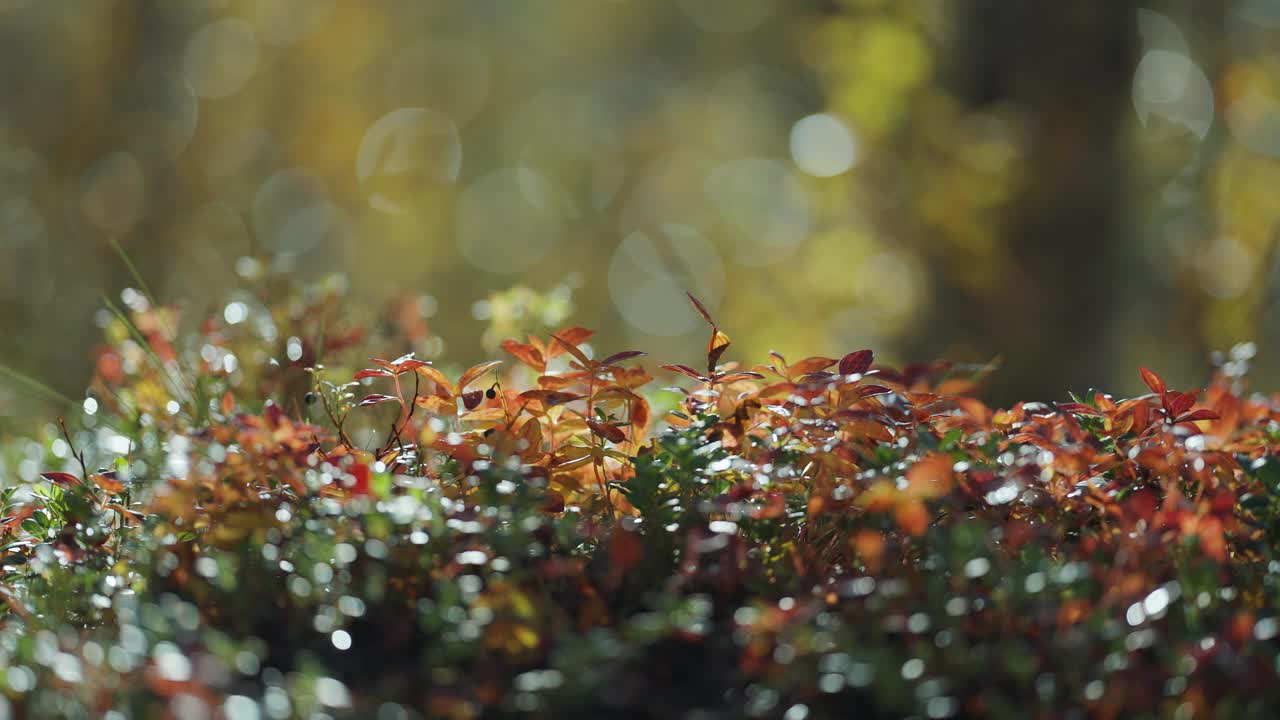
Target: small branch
<point x="84" y="469"/>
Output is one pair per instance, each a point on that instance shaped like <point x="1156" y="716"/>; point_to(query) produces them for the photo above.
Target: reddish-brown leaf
<point x="686" y="371"/>
<point x="409" y="365"/>
<point x="739" y="376"/>
<point x="107" y="481"/>
<point x="701" y="310"/>
<point x="371" y="372"/>
<point x="1198" y="415"/>
<point x="471" y="400"/>
<point x="566" y="345"/>
<point x="437" y="405"/>
<point x="570" y="338"/>
<point x="442" y="382"/>
<point x="609" y="432"/>
<point x="525" y="353"/>
<point x="1178" y="403"/>
<point x="1077" y="409"/>
<point x="620" y="356"/>
<point x="1153" y="381"/>
<point x="625" y="552"/>
<point x="550" y="398"/>
<point x="61" y="478"/>
<point x="811" y="365"/>
<point x="716" y="346"/>
<point x="475" y="372"/>
<point x="376" y="399"/>
<point x="856" y="363"/>
<point x="866" y="391"/>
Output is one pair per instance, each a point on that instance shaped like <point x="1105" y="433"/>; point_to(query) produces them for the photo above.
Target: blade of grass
<point x="36" y="386"/>
<point x="141" y="339"/>
<point x="142" y="285"/>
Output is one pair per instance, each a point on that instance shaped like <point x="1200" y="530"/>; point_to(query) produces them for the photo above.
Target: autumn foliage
<point x="547" y="534"/>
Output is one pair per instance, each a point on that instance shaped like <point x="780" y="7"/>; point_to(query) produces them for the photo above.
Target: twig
<point x="84" y="469"/>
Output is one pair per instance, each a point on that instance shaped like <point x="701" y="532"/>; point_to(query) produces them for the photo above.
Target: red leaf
<point x="61" y="478"/>
<point x="686" y="371"/>
<point x="866" y="391"/>
<point x="1077" y="409"/>
<point x="377" y="400"/>
<point x="471" y="400"/>
<point x="360" y="472"/>
<point x="738" y="376"/>
<point x="1179" y="403"/>
<point x="410" y="365"/>
<point x="568" y="346"/>
<point x="608" y="432"/>
<point x="570" y="339"/>
<point x="856" y="363"/>
<point x="701" y="310"/>
<point x="525" y="353"/>
<point x="620" y="356"/>
<point x="716" y="346"/>
<point x="810" y="365"/>
<point x="1201" y="414"/>
<point x="475" y="372"/>
<point x="368" y="373"/>
<point x="550" y="398"/>
<point x="1153" y="381"/>
<point x="107" y="481"/>
<point x="443" y="386"/>
<point x="625" y="552"/>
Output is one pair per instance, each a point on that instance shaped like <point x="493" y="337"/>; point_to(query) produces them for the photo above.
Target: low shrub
<point x="251" y="525"/>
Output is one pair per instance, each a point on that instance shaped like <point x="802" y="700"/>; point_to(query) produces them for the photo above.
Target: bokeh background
<point x="1076" y="187"/>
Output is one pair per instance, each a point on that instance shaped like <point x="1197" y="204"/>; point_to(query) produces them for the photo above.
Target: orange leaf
<point x="570" y="339"/>
<point x="912" y="517"/>
<point x="475" y="372"/>
<point x="525" y="353"/>
<point x="609" y="432"/>
<point x="930" y="477"/>
<point x="1153" y="381"/>
<point x="107" y="481"/>
<point x="625" y="552"/>
<point x="438" y="378"/>
<point x="810" y="365"/>
<point x="856" y="363"/>
<point x="716" y="346"/>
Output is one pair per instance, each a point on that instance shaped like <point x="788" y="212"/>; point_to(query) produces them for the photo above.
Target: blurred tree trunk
<point x="1069" y="67"/>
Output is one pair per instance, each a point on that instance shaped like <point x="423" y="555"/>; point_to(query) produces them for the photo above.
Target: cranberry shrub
<point x="253" y="521"/>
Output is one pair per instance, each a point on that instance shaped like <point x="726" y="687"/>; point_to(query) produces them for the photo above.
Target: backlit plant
<point x="253" y="521"/>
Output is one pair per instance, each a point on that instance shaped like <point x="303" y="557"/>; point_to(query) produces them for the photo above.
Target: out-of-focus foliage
<point x="253" y="521"/>
<point x="940" y="179"/>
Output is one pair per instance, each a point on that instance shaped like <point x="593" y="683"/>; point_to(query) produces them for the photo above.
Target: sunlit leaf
<point x="620" y="356"/>
<point x="108" y="482"/>
<point x="472" y="399"/>
<point x="856" y="363"/>
<point x="61" y="478"/>
<point x="438" y="378"/>
<point x="609" y="432"/>
<point x="376" y="399"/>
<point x="525" y="353"/>
<point x="1153" y="381"/>
<point x="372" y="373"/>
<point x="569" y="340"/>
<point x="687" y="372"/>
<point x="475" y="372"/>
